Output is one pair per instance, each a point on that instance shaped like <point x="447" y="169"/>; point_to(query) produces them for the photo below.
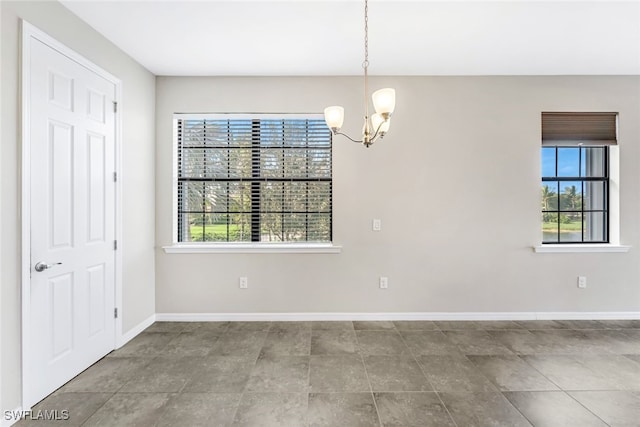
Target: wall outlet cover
<point x="384" y="282"/>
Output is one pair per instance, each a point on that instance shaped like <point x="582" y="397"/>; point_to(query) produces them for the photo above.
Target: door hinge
<point x="115" y="245"/>
<point x="115" y="313"/>
<point x="115" y="106"/>
<point x="115" y="177"/>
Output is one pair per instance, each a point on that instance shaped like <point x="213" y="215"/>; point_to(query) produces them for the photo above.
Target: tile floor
<point x="409" y="373"/>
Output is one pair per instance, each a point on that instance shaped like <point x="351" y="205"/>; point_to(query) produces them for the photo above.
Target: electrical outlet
<point x="377" y="225"/>
<point x="244" y="283"/>
<point x="582" y="282"/>
<point x="384" y="282"/>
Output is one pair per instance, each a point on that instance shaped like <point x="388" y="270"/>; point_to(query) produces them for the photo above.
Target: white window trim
<point x="253" y="248"/>
<point x="240" y="247"/>
<point x="582" y="248"/>
<point x="614" y="245"/>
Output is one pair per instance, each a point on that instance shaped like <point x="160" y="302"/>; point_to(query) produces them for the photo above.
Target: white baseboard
<point x="589" y="315"/>
<point x="12" y="417"/>
<point x="133" y="332"/>
<point x="213" y="317"/>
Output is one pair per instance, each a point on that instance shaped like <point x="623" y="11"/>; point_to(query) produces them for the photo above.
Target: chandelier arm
<point x="377" y="133"/>
<point x="348" y="137"/>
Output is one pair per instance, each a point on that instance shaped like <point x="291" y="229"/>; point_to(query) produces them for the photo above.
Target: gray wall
<point x="456" y="184"/>
<point x="137" y="172"/>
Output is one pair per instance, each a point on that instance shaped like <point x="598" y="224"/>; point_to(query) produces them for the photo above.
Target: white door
<point x="72" y="196"/>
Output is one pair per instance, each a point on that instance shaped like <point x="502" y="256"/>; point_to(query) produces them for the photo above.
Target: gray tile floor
<point x="409" y="373"/>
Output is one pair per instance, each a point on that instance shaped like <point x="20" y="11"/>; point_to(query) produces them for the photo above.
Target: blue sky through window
<point x="568" y="161"/>
<point x="548" y="161"/>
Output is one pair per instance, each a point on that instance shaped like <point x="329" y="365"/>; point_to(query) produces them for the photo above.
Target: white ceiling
<point x="421" y="37"/>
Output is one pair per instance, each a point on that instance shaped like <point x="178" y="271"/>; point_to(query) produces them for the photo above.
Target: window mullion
<point x="582" y="217"/>
<point x="306" y="187"/>
<point x="179" y="184"/>
<point x="255" y="183"/>
<point x="204" y="185"/>
<point x="227" y="196"/>
<point x="284" y="184"/>
<point x="605" y="201"/>
<point x="558" y="201"/>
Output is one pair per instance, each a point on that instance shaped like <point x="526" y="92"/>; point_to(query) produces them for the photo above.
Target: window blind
<point x="587" y="129"/>
<point x="254" y="179"/>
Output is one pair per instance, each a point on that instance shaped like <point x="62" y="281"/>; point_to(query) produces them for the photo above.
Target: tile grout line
<point x="581" y="404"/>
<point x="560" y="389"/>
<point x="496" y="386"/>
<point x="366" y="372"/>
<point x="97" y="409"/>
<point x="516" y="408"/>
<point x="306" y="412"/>
<point x="162" y="408"/>
<point x="255" y="362"/>
<point x="427" y="378"/>
<point x="519" y="355"/>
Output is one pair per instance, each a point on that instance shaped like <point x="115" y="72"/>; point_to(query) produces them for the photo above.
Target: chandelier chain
<point x="366" y="131"/>
<point x="365" y="64"/>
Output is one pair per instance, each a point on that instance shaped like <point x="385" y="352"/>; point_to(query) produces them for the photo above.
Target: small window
<point x="259" y="178"/>
<point x="575" y="176"/>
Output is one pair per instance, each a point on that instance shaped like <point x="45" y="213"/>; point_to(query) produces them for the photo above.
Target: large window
<point x="575" y="176"/>
<point x="258" y="178"/>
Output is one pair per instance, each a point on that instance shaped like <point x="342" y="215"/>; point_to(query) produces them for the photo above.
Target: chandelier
<point x="384" y="101"/>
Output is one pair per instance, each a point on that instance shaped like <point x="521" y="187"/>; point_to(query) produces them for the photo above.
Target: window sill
<point x="585" y="248"/>
<point x="248" y="248"/>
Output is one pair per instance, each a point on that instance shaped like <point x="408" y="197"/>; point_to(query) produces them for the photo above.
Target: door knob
<point x="41" y="266"/>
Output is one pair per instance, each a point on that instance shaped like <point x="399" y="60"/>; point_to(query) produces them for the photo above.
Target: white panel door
<point x="72" y="191"/>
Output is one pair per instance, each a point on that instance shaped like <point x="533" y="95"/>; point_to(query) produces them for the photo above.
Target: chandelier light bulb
<point x="379" y="124"/>
<point x="384" y="101"/>
<point x="334" y="116"/>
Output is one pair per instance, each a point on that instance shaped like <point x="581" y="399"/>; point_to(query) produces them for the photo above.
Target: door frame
<point x="29" y="32"/>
